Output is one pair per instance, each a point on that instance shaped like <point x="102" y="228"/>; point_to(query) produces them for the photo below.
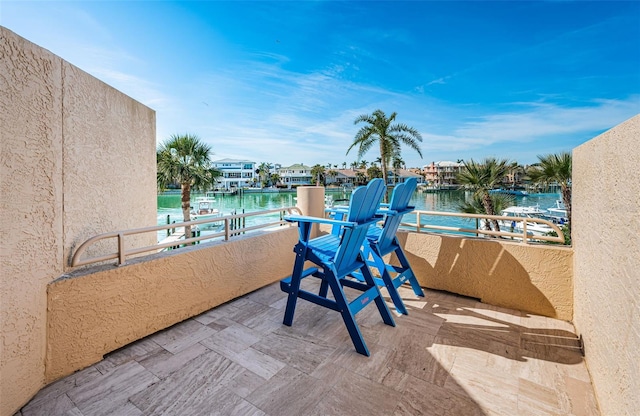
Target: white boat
<point x="204" y="210"/>
<point x="204" y="207"/>
<point x="558" y="213"/>
<point x="533" y="228"/>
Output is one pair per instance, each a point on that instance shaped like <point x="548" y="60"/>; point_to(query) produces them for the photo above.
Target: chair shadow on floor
<point x="469" y="323"/>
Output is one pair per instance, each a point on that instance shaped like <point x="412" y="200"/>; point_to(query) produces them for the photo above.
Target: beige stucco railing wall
<point x="533" y="278"/>
<point x="90" y="314"/>
<point x="75" y="156"/>
<point x="606" y="230"/>
<point x="99" y="310"/>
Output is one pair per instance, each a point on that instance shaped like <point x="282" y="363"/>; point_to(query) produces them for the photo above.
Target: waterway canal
<point x="169" y="204"/>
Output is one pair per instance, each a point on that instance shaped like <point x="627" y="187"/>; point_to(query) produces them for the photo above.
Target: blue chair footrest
<point x="285" y="284"/>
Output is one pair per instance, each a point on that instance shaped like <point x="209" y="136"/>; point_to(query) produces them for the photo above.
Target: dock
<point x="177" y="235"/>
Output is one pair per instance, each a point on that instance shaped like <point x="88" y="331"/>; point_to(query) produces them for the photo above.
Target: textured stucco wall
<point x="109" y="163"/>
<point x="65" y="139"/>
<point x="91" y="314"/>
<point x="605" y="230"/>
<point x="30" y="211"/>
<point x="531" y="278"/>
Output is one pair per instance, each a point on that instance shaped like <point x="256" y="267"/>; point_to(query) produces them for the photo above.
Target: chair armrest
<point x="395" y="212"/>
<point x="340" y="209"/>
<point x="304" y="218"/>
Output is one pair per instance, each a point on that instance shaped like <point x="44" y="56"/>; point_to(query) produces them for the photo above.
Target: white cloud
<point x="545" y="120"/>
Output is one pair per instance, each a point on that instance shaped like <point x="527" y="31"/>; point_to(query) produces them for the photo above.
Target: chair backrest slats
<point x="365" y="202"/>
<point x="400" y="199"/>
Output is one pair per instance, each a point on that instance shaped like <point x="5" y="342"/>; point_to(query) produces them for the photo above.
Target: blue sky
<point x="283" y="82"/>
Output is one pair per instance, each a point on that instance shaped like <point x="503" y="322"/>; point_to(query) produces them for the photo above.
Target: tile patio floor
<point x="450" y="356"/>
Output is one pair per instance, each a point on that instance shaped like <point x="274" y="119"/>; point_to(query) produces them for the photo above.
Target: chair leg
<point x="324" y="286"/>
<point x="379" y="300"/>
<point x="347" y="316"/>
<point x="410" y="275"/>
<point x="386" y="278"/>
<point x="294" y="287"/>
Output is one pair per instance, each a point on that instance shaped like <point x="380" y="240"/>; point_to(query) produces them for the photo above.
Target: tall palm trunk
<point x="566" y="199"/>
<point x="488" y="207"/>
<point x="186" y="207"/>
<point x="383" y="162"/>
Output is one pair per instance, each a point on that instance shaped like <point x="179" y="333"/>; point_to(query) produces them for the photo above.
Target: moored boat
<point x="204" y="207"/>
<point x="203" y="211"/>
<point x="533" y="228"/>
<point x="558" y="213"/>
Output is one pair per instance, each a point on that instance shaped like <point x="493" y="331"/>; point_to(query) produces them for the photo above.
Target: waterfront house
<point x="199" y="329"/>
<point x="236" y="173"/>
<point x="344" y="177"/>
<point x="442" y="174"/>
<point x="403" y="175"/>
<point x="295" y="175"/>
<point x="349" y="177"/>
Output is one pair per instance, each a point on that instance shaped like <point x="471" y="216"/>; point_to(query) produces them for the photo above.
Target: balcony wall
<point x="90" y="314"/>
<point x="98" y="310"/>
<point x="532" y="278"/>
<point x="605" y="231"/>
<point x="77" y="159"/>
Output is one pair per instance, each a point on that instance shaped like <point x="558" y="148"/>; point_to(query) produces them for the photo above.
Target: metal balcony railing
<point x="525" y="236"/>
<point x="232" y="225"/>
<point x="235" y="225"/>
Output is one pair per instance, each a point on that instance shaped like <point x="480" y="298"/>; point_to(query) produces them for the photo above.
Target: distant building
<point x="235" y="173"/>
<point x="344" y="177"/>
<point x="403" y="175"/>
<point x="295" y="175"/>
<point x="351" y="177"/>
<point x="419" y="172"/>
<point x="442" y="174"/>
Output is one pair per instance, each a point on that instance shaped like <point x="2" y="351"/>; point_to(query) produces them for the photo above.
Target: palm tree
<point x="344" y="165"/>
<point x="475" y="205"/>
<point x="379" y="129"/>
<point x="318" y="171"/>
<point x="397" y="163"/>
<point x="481" y="178"/>
<point x="333" y="174"/>
<point x="354" y="165"/>
<point x="275" y="178"/>
<point x="184" y="159"/>
<point x="374" y="172"/>
<point x="361" y="178"/>
<point x="263" y="171"/>
<point x="554" y="168"/>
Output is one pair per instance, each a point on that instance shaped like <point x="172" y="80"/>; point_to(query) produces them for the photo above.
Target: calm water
<point x="169" y="204"/>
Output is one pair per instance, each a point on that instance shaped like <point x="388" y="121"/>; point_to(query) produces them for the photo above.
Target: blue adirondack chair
<point x="338" y="255"/>
<point x="383" y="241"/>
